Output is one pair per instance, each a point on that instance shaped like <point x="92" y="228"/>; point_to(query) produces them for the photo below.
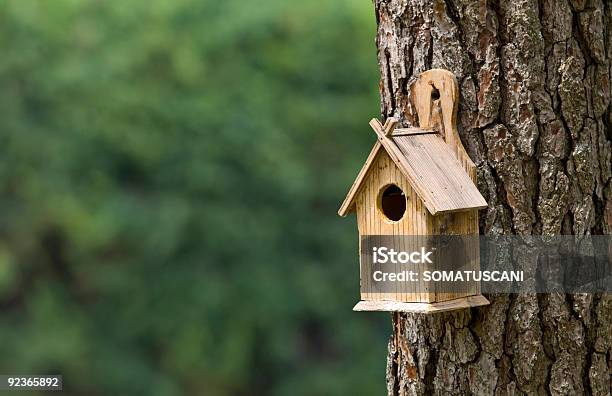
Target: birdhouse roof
<point x="431" y="167"/>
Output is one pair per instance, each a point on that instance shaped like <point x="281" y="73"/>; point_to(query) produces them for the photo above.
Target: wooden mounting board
<point x="395" y="306"/>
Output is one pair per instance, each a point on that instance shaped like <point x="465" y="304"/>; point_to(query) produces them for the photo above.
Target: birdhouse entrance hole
<point x="392" y="202"/>
<point x="435" y="94"/>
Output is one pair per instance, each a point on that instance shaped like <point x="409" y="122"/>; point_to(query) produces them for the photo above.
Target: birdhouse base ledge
<point x="417" y="307"/>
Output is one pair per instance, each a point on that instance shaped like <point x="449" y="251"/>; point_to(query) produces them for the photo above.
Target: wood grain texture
<point x="440" y="177"/>
<point x="348" y="205"/>
<point x="426" y="308"/>
<point x="441" y="112"/>
<point x="371" y="221"/>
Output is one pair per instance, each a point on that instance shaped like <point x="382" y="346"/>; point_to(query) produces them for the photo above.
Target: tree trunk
<point x="535" y="117"/>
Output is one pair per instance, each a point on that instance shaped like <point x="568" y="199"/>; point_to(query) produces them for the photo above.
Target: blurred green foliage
<point x="169" y="177"/>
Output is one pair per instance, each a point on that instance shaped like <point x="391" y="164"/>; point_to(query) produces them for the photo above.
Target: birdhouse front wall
<point x="372" y="221"/>
<point x="416" y="220"/>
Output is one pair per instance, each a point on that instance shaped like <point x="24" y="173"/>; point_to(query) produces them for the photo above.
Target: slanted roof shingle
<point x="432" y="169"/>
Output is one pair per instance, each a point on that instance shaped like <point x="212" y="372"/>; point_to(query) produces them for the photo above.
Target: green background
<point x="170" y="173"/>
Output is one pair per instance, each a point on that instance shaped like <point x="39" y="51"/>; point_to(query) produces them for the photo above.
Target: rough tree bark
<point x="535" y="117"/>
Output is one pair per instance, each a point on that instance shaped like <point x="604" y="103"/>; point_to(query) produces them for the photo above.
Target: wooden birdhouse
<point x="418" y="182"/>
